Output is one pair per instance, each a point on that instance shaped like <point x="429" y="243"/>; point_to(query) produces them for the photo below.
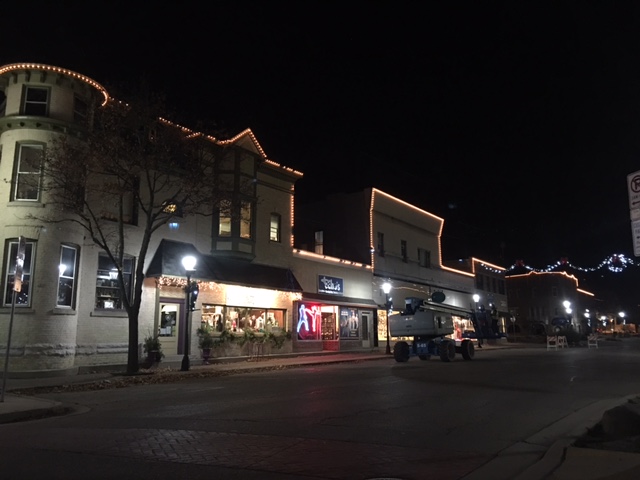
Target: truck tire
<point x="467" y="350"/>
<point x="401" y="352"/>
<point x="447" y="351"/>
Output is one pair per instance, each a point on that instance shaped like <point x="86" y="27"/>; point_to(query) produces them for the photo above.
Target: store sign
<point x="332" y="285"/>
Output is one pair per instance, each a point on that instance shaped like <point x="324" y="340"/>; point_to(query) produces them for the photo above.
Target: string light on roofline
<point x="614" y="263"/>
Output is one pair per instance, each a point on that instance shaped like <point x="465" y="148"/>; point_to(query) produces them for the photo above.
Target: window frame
<point x="424" y="257"/>
<point x="80" y="115"/>
<point x="380" y="245"/>
<point x="68" y="280"/>
<point x="35" y="104"/>
<point x="11" y="253"/>
<point x="275" y="227"/>
<point x="224" y="219"/>
<point x="318" y="242"/>
<point x="107" y="288"/>
<point x="18" y="174"/>
<point x="246" y="219"/>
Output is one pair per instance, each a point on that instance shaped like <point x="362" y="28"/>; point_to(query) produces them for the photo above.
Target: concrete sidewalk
<point x="563" y="461"/>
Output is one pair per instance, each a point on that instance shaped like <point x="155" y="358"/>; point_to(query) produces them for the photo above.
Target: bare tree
<point x="131" y="174"/>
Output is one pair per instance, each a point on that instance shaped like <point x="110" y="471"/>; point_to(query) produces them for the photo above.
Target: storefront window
<point x="309" y="322"/>
<point x="349" y="323"/>
<point x="239" y="319"/>
<point x="317" y="322"/>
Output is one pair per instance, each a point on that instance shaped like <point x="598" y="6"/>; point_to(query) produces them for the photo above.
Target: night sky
<point x="517" y="122"/>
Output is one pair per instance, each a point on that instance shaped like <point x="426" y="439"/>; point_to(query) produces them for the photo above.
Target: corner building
<point x="68" y="318"/>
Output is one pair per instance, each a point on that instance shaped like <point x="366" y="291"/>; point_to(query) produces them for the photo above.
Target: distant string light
<point x="614" y="263"/>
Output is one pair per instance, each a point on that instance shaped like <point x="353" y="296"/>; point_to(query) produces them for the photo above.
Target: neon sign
<point x="308" y="320"/>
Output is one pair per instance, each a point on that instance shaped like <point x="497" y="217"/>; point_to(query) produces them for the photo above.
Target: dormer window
<point x="36" y="101"/>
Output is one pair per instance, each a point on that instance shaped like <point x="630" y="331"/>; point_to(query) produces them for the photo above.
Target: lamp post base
<point x="185" y="364"/>
<point x="388" y="349"/>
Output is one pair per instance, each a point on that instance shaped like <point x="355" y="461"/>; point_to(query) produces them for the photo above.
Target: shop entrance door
<point x="366" y="322"/>
<point x="169" y="326"/>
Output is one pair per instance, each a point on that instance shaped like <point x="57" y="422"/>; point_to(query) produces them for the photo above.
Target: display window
<point x="239" y="319"/>
<point x="317" y="322"/>
<point x="349" y="323"/>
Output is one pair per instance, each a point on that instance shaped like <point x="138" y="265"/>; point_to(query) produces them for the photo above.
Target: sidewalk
<point x="563" y="461"/>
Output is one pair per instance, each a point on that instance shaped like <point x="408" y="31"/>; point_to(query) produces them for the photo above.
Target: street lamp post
<point x="386" y="288"/>
<point x="189" y="264"/>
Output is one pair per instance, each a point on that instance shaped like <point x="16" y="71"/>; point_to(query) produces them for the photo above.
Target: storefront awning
<point x="167" y="260"/>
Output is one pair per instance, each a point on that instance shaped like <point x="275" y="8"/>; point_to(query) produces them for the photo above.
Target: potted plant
<point x="153" y="349"/>
<point x="205" y="341"/>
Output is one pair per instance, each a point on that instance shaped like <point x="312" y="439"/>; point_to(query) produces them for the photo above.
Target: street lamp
<point x="386" y="288"/>
<point x="189" y="264"/>
<point x="476" y="299"/>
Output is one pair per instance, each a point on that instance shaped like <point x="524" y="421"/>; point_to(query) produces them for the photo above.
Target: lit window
<point x="23" y="297"/>
<point x="319" y="242"/>
<point x="67" y="276"/>
<point x="28" y="172"/>
<point x="224" y="229"/>
<point x="245" y="220"/>
<point x="274" y="231"/>
<point x="108" y="291"/>
<point x="36" y="101"/>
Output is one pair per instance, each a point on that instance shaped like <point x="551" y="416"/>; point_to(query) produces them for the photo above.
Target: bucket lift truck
<point x="427" y="323"/>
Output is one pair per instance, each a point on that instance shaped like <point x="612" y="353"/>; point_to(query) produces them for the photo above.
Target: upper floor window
<point x="381" y="244"/>
<point x="108" y="292"/>
<point x="67" y="276"/>
<point x="274" y="227"/>
<point x="36" y="101"/>
<point x="319" y="242"/>
<point x="224" y="221"/>
<point x="554" y="291"/>
<point x="28" y="172"/>
<point x="80" y="110"/>
<point x="245" y="220"/>
<point x="403" y="250"/>
<point x="23" y="297"/>
<point x="424" y="257"/>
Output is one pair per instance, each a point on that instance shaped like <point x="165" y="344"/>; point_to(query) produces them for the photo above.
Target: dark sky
<point x="517" y="122"/>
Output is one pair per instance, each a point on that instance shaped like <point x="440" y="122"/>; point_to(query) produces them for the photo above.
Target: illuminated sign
<point x="332" y="285"/>
<point x="309" y="319"/>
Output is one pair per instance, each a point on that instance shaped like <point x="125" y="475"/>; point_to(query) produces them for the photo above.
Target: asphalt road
<point x="488" y="418"/>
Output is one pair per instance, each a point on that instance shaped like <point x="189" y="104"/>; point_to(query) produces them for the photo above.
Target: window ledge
<point x="109" y="313"/>
<point x="6" y="310"/>
<point x="63" y="311"/>
<point x="25" y="203"/>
